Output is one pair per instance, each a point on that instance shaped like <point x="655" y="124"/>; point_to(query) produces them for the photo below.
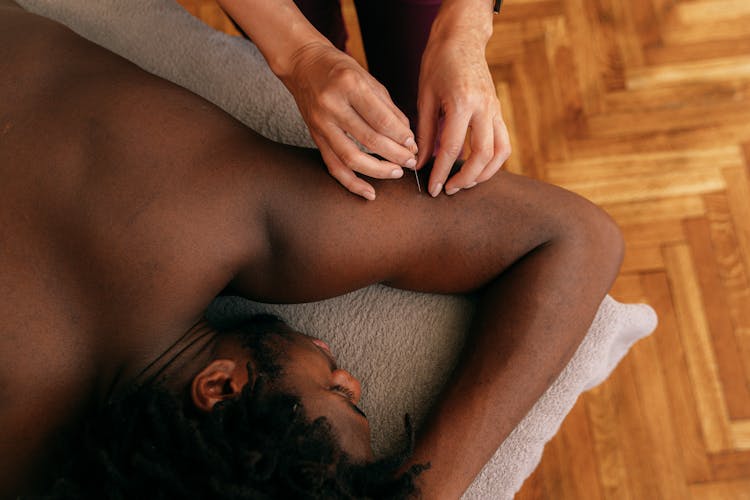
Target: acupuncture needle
<point x="417" y="177"/>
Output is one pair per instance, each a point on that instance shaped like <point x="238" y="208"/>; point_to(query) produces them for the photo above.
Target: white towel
<point x="400" y="344"/>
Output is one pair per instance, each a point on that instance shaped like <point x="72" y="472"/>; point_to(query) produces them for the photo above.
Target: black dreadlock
<point x="147" y="443"/>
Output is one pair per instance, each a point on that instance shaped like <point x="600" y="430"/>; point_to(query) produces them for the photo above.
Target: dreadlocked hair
<point x="148" y="443"/>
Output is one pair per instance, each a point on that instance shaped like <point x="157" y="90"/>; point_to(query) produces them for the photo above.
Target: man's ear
<point x="221" y="379"/>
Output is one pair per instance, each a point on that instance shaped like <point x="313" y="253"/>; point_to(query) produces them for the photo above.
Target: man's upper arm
<point x="324" y="242"/>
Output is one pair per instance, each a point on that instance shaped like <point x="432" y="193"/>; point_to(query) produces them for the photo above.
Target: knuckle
<point x="381" y="122"/>
<point x="381" y="91"/>
<point x="347" y="77"/>
<point x="327" y="99"/>
<point x="350" y="160"/>
<point x="483" y="154"/>
<point x="371" y="140"/>
<point x="316" y="122"/>
<point x="461" y="101"/>
<point x="452" y="149"/>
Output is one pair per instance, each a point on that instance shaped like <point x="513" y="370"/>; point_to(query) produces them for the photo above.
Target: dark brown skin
<point x="127" y="204"/>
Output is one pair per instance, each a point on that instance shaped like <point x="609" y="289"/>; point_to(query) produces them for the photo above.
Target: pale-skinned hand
<point x="455" y="85"/>
<point x="339" y="101"/>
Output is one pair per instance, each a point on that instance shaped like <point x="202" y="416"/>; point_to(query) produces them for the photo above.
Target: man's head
<point x="266" y="414"/>
<point x="273" y="358"/>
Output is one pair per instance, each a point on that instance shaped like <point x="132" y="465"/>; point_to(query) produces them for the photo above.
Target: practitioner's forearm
<point x="278" y="28"/>
<point x="530" y="322"/>
<point x="467" y="20"/>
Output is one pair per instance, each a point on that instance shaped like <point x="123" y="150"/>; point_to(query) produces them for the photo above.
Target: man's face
<point x="309" y="372"/>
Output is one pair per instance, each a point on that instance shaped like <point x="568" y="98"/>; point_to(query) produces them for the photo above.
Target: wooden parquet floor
<point x="643" y="106"/>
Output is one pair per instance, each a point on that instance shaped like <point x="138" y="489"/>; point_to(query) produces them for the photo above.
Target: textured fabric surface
<point x="401" y="345"/>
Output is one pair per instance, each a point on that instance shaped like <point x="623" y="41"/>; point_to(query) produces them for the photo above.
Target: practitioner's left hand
<point x="455" y="85"/>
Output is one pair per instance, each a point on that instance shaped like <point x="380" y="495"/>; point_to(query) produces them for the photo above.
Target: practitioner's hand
<point x="339" y="100"/>
<point x="455" y="84"/>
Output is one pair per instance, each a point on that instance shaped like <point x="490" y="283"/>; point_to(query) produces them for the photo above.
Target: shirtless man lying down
<point x="128" y="203"/>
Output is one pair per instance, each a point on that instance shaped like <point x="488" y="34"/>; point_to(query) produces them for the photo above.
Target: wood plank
<point x="635" y="123"/>
<point x="702" y="364"/>
<point x="669" y="54"/>
<point x="627" y="288"/>
<point x="712" y="70"/>
<point x="635" y="439"/>
<point x="724" y="241"/>
<point x="604" y="44"/>
<point x="724" y="490"/>
<point x="533" y="487"/>
<point x="565" y="84"/>
<point x="668" y="137"/>
<point x="513" y="163"/>
<point x="726" y="30"/>
<point x="658" y="185"/>
<point x="578" y="456"/>
<point x="658" y="422"/>
<point x="691" y="446"/>
<point x="730" y="465"/>
<point x="552" y="476"/>
<point x="603" y="418"/>
<point x="738" y="201"/>
<point x="664" y="98"/>
<point x="709" y="11"/>
<point x="354" y="45"/>
<point x="550" y="139"/>
<point x="509" y="46"/>
<point x="519" y="11"/>
<point x="656" y="209"/>
<point x="728" y="354"/>
<point x="581" y="26"/>
<point x="526" y="113"/>
<point x="741" y="434"/>
<point x="658" y="233"/>
<point x="743" y="334"/>
<point x="579" y="169"/>
<point x="730" y="264"/>
<point x="642" y="258"/>
<point x="627" y="34"/>
<point x="738" y="196"/>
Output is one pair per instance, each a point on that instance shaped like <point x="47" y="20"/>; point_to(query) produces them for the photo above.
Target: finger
<point x="355" y="159"/>
<point x="451" y="143"/>
<point x="427" y="119"/>
<point x="502" y="150"/>
<point x="482" y="153"/>
<point x="376" y="142"/>
<point x="341" y="173"/>
<point x="386" y="98"/>
<point x="381" y="117"/>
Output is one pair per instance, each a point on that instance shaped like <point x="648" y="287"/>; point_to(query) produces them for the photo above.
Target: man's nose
<point x="345" y="379"/>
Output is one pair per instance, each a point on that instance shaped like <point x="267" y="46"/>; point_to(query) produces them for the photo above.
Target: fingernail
<point x="396" y="173"/>
<point x="370" y="195"/>
<point x="436" y="190"/>
<point x="410" y="163"/>
<point x="452" y="191"/>
<point x="409" y="143"/>
<point x="470" y="185"/>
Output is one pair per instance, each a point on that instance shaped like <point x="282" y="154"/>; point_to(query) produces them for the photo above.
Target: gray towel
<point x="400" y="344"/>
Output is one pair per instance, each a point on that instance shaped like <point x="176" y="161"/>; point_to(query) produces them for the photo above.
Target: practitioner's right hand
<point x="339" y="101"/>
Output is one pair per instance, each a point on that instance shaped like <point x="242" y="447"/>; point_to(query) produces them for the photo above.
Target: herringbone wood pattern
<point x="643" y="106"/>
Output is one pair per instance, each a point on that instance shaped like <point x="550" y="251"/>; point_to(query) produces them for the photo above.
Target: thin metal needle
<point x="417" y="177"/>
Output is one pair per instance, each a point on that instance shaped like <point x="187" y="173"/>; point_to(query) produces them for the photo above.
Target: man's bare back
<point x="127" y="204"/>
<point x="95" y="260"/>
